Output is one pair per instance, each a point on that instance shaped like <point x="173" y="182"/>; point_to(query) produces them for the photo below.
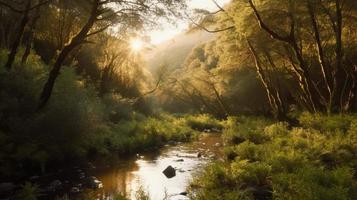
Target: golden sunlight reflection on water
<point x="146" y="172"/>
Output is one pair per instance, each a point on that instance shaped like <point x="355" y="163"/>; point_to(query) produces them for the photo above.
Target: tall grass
<point x="273" y="161"/>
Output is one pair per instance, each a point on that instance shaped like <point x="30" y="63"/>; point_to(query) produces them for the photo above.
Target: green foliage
<point x="75" y="124"/>
<point x="28" y="192"/>
<point x="332" y="123"/>
<point x="141" y="194"/>
<point x="203" y="122"/>
<point x="315" y="162"/>
<point x="238" y="130"/>
<point x="311" y="182"/>
<point x="251" y="173"/>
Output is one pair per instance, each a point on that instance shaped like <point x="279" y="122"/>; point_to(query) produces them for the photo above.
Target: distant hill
<point x="174" y="52"/>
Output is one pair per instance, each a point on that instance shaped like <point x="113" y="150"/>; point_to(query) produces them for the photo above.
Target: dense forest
<point x="81" y="82"/>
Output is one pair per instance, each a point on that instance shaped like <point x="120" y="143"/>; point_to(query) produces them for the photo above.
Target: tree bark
<point x="302" y="73"/>
<point x="273" y="95"/>
<point x="77" y="40"/>
<point x="20" y="32"/>
<point x="30" y="37"/>
<point x="321" y="56"/>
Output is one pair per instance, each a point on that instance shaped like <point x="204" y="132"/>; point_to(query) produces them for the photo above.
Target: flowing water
<point x="146" y="170"/>
<point x="126" y="176"/>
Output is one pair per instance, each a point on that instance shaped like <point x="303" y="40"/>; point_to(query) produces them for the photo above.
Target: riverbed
<point x="146" y="169"/>
<point x="127" y="175"/>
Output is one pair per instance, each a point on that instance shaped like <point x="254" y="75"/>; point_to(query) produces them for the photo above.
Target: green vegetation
<point x="73" y="126"/>
<point x="74" y="86"/>
<point x="270" y="160"/>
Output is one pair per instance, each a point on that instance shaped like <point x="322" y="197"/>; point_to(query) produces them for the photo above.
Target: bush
<point x="28" y="192"/>
<point x="241" y="129"/>
<point x="203" y="122"/>
<point x="251" y="174"/>
<point x="270" y="161"/>
<point x="332" y="123"/>
<point x="312" y="182"/>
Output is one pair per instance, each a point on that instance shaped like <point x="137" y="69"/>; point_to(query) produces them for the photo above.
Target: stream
<point x="146" y="170"/>
<point x="127" y="176"/>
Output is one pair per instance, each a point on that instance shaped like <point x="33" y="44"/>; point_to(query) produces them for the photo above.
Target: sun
<point x="136" y="44"/>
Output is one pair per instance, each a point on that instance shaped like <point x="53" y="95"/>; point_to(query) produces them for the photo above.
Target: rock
<point x="75" y="189"/>
<point x="203" y="143"/>
<point x="207" y="130"/>
<point x="179" y="160"/>
<point x="199" y="155"/>
<point x="181" y="171"/>
<point x="169" y="172"/>
<point x="81" y="175"/>
<point x="91" y="166"/>
<point x="55" y="185"/>
<point x="94" y="183"/>
<point x="6" y="187"/>
<point x="183" y="193"/>
<point x="217" y="144"/>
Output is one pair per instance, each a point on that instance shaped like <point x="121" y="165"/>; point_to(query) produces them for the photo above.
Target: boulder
<point x="179" y="160"/>
<point x="199" y="155"/>
<point x="169" y="172"/>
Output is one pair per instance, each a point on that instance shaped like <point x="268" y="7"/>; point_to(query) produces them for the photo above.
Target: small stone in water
<point x="184" y="193"/>
<point x="169" y="172"/>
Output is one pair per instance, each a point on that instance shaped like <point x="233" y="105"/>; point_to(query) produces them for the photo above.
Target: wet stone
<point x="169" y="172"/>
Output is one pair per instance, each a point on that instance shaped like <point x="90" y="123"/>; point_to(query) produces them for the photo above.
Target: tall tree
<point x="103" y="14"/>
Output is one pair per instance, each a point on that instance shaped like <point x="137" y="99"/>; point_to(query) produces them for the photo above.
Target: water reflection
<point x="146" y="171"/>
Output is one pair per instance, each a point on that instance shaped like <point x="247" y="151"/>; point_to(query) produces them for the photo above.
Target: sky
<point x="168" y="31"/>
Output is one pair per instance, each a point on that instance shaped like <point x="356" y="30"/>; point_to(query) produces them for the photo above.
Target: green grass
<point x="271" y="161"/>
<point x="203" y="122"/>
<point x="128" y="137"/>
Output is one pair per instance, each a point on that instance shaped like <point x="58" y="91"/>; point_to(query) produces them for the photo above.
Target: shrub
<point x="332" y="123"/>
<point x="250" y="151"/>
<point x="272" y="162"/>
<point x="251" y="173"/>
<point x="203" y="122"/>
<point x="277" y="129"/>
<point x="239" y="130"/>
<point x="28" y="192"/>
<point x="311" y="182"/>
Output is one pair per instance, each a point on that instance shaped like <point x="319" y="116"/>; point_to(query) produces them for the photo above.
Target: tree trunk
<point x="20" y="32"/>
<point x="321" y="56"/>
<point x="272" y="94"/>
<point x="77" y="40"/>
<point x="31" y="32"/>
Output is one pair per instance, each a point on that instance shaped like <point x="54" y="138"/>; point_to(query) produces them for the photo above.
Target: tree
<point x="25" y="11"/>
<point x="123" y="14"/>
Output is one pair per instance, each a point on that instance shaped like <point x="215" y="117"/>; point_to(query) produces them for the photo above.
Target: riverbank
<point x="112" y="145"/>
<point x="269" y="160"/>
